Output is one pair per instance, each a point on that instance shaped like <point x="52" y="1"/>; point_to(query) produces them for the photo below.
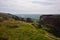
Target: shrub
<point x="15" y="17"/>
<point x="12" y="24"/>
<point x="22" y="19"/>
<point x="29" y="20"/>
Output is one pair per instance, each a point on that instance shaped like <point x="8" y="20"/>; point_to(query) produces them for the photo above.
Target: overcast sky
<point x="30" y="6"/>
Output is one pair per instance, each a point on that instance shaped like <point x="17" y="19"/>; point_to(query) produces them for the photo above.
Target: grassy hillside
<point x="18" y="30"/>
<point x="12" y="29"/>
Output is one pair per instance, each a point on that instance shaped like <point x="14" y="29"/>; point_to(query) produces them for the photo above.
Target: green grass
<point x="24" y="31"/>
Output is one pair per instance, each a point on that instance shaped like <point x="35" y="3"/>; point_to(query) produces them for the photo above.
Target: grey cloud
<point x="43" y="3"/>
<point x="14" y="6"/>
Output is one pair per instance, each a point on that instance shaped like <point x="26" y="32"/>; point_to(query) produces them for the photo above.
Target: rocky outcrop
<point x="52" y="22"/>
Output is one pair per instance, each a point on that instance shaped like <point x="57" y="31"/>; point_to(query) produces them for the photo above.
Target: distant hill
<point x="8" y="15"/>
<point x="35" y="16"/>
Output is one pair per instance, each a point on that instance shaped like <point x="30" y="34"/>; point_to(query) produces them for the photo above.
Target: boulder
<point x="52" y="22"/>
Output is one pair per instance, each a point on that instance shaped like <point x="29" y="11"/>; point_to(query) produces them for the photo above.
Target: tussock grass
<point x="24" y="31"/>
